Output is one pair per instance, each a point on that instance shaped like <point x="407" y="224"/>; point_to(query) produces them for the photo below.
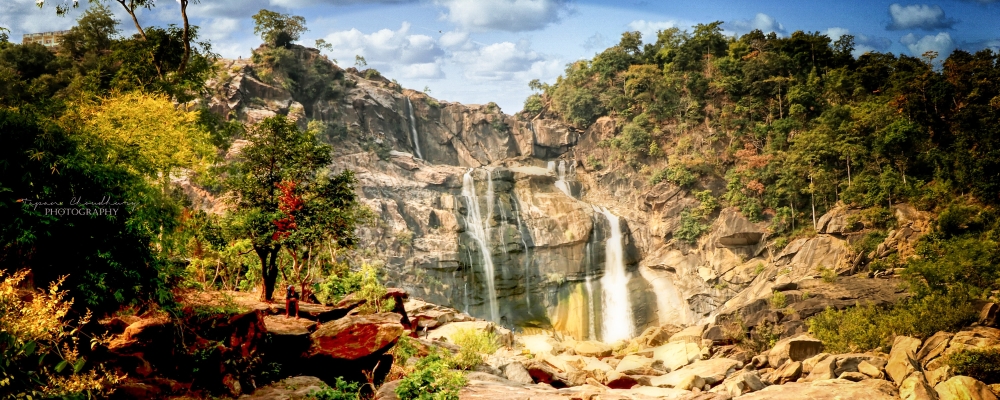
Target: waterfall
<point x="617" y="322"/>
<point x="413" y="129"/>
<point x="560" y="171"/>
<point x="477" y="227"/>
<point x="592" y="310"/>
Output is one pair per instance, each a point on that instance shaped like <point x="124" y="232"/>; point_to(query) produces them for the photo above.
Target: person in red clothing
<point x="291" y="298"/>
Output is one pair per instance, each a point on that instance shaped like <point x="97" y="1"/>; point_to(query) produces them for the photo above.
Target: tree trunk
<point x="812" y="200"/>
<point x="131" y="13"/>
<point x="186" y="38"/>
<point x="269" y="272"/>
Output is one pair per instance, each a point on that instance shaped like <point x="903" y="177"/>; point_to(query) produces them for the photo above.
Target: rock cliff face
<point x="493" y="215"/>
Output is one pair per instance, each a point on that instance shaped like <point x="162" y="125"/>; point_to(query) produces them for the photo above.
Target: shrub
<point x="342" y="390"/>
<point x="38" y="346"/>
<point x="869" y="242"/>
<point x="594" y="163"/>
<point x="869" y="327"/>
<point x="373" y="292"/>
<point x="829" y="275"/>
<point x="691" y="227"/>
<point x="778" y="300"/>
<point x="432" y="380"/>
<point x="475" y="346"/>
<point x="338" y="284"/>
<point x="982" y="364"/>
<point x="533" y="104"/>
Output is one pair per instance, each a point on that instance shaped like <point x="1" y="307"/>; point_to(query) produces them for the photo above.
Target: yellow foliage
<point x="41" y="324"/>
<point x="148" y="133"/>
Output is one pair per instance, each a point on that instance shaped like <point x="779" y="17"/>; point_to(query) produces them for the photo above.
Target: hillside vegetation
<point x="789" y="127"/>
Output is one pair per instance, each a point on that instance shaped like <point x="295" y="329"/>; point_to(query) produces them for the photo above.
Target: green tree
<point x="284" y="196"/>
<point x="277" y="29"/>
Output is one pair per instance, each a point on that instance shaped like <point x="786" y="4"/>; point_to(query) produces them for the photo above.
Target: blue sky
<point x="476" y="51"/>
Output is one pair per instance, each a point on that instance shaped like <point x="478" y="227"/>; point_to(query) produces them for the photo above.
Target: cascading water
<point x="477" y="227"/>
<point x="592" y="310"/>
<point x="413" y="129"/>
<point x="617" y="323"/>
<point x="561" y="183"/>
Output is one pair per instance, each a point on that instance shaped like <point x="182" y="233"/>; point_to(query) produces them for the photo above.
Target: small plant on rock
<point x="342" y="390"/>
<point x="778" y="300"/>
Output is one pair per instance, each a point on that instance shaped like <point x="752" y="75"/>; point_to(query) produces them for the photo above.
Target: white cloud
<point x="918" y="16"/>
<point x="764" y="22"/>
<point x="862" y="43"/>
<point x="507" y="61"/>
<point x="941" y="43"/>
<point x="219" y="29"/>
<point x="504" y="15"/>
<point x="399" y="51"/>
<point x="455" y="40"/>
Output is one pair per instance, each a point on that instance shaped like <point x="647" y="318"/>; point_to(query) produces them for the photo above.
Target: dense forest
<point x="781" y="128"/>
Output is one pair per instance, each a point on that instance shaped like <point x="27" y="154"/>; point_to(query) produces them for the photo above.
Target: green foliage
<point x="694" y="220"/>
<point x="432" y="380"/>
<point x="829" y="275"/>
<point x="286" y="198"/>
<point x="677" y="174"/>
<point x="339" y="282"/>
<point x="869" y="241"/>
<point x="965" y="264"/>
<point x="983" y="364"/>
<point x="38" y="346"/>
<point x="869" y="327"/>
<point x="594" y="163"/>
<point x="373" y="292"/>
<point x="403" y="350"/>
<point x="342" y="390"/>
<point x="278" y="29"/>
<point x="778" y="300"/>
<point x="475" y="346"/>
<point x="533" y="105"/>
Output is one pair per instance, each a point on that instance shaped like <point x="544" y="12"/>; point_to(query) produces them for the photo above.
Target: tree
<point x="131" y="6"/>
<point x="284" y="196"/>
<point x="278" y="29"/>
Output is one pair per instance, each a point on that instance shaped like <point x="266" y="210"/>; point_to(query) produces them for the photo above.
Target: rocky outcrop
<point x="541" y="212"/>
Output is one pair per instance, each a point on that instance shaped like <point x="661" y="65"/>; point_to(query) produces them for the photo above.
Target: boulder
<point x="294" y="388"/>
<point x="617" y="380"/>
<point x="447" y="331"/>
<point x="790" y="372"/>
<point x="838" y="221"/>
<point x="933" y="347"/>
<point x="661" y="392"/>
<point x="715" y="333"/>
<point x="543" y="372"/>
<point x="540" y="344"/>
<point x="810" y="363"/>
<point x="798" y="348"/>
<point x="634" y="364"/>
<point x="988" y="314"/>
<point x="867" y="368"/>
<point x="833" y="366"/>
<point x="853" y="376"/>
<point x="691" y="334"/>
<point x="516" y="372"/>
<point x="592" y="349"/>
<point x="830" y="389"/>
<point x="978" y="336"/>
<point x="709" y="372"/>
<point x="964" y="388"/>
<point x="740" y="383"/>
<point x="677" y="354"/>
<point x="356" y="336"/>
<point x="902" y="358"/>
<point x="938" y="375"/>
<point x="915" y="387"/>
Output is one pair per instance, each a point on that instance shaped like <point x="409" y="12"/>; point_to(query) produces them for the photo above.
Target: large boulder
<point x="540" y="344"/>
<point x="677" y="354"/>
<point x="902" y="358"/>
<point x="798" y="348"/>
<point x="356" y="336"/>
<point x="691" y="334"/>
<point x="964" y="388"/>
<point x="592" y="349"/>
<point x="634" y="364"/>
<point x="831" y="389"/>
<point x="516" y="372"/>
<point x="915" y="387"/>
<point x="740" y="383"/>
<point x="933" y="347"/>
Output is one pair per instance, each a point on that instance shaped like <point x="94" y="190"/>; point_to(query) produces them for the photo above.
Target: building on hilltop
<point x="47" y="39"/>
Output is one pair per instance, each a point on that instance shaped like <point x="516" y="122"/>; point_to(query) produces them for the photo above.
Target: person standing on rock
<point x="291" y="298"/>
